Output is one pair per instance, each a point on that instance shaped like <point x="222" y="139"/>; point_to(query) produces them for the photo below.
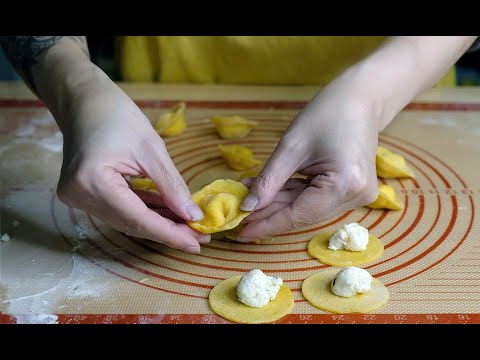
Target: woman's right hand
<point x="107" y="137"/>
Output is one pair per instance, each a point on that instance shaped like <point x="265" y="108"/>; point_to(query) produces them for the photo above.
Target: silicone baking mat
<point x="63" y="266"/>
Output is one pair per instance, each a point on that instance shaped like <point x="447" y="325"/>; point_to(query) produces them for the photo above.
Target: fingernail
<point x="249" y="203"/>
<point x="192" y="249"/>
<point x="194" y="212"/>
<point x="244" y="239"/>
<point x="204" y="239"/>
<point x="247" y="181"/>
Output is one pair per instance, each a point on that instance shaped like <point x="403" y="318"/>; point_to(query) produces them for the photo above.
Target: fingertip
<point x="249" y="203"/>
<point x="245" y="239"/>
<point x="241" y="237"/>
<point x="192" y="249"/>
<point x="194" y="212"/>
<point x="204" y="239"/>
<point x="247" y="181"/>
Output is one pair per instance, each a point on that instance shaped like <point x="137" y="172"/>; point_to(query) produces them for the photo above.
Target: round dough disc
<point x="316" y="289"/>
<point x="318" y="248"/>
<point x="224" y="302"/>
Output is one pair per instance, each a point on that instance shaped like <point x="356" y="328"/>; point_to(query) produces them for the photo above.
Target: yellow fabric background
<point x="269" y="60"/>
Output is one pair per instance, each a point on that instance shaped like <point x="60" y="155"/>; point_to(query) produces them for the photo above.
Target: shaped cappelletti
<point x="391" y="165"/>
<point x="387" y="199"/>
<point x="238" y="157"/>
<point x="173" y="122"/>
<point x="220" y="202"/>
<point x="232" y="127"/>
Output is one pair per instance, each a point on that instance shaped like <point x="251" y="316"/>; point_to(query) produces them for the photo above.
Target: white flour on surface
<point x="37" y="131"/>
<point x="44" y="121"/>
<point x="36" y="318"/>
<point x="25" y="131"/>
<point x="464" y="125"/>
<point x="150" y="319"/>
<point x="53" y="143"/>
<point x="441" y="121"/>
<point x="81" y="283"/>
<point x="84" y="231"/>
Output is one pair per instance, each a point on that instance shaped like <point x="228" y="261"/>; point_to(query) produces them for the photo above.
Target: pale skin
<point x="332" y="141"/>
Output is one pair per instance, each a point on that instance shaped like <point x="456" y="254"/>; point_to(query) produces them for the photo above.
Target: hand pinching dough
<point x="351" y="245"/>
<point x="350" y="290"/>
<point x="252" y="298"/>
<point x="220" y="202"/>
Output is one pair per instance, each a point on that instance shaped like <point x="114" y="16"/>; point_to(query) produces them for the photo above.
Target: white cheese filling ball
<point x="351" y="281"/>
<point x="351" y="237"/>
<point x="256" y="289"/>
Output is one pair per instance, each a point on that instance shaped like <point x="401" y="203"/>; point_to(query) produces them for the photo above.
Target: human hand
<point x="332" y="142"/>
<point x="107" y="137"/>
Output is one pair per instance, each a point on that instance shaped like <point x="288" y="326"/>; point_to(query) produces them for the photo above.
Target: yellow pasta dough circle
<point x="316" y="289"/>
<point x="224" y="302"/>
<point x="318" y="248"/>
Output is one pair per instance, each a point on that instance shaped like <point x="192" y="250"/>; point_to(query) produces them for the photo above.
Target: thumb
<point x="172" y="187"/>
<point x="276" y="172"/>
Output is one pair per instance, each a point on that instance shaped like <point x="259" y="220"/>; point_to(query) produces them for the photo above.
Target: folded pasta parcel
<point x="238" y="157"/>
<point x="220" y="202"/>
<point x="173" y="122"/>
<point x="232" y="127"/>
<point x="391" y="165"/>
<point x="387" y="199"/>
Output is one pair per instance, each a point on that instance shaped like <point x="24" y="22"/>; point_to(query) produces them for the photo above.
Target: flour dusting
<point x="53" y="143"/>
<point x="440" y="121"/>
<point x="36" y="318"/>
<point x="37" y="131"/>
<point x="82" y="283"/>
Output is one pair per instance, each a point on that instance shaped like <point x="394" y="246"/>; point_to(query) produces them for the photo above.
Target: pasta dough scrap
<point x="238" y="157"/>
<point x="173" y="122"/>
<point x="224" y="302"/>
<point x="317" y="291"/>
<point x="233" y="127"/>
<point x="387" y="199"/>
<point x="220" y="202"/>
<point x="318" y="248"/>
<point x="142" y="183"/>
<point x="391" y="165"/>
